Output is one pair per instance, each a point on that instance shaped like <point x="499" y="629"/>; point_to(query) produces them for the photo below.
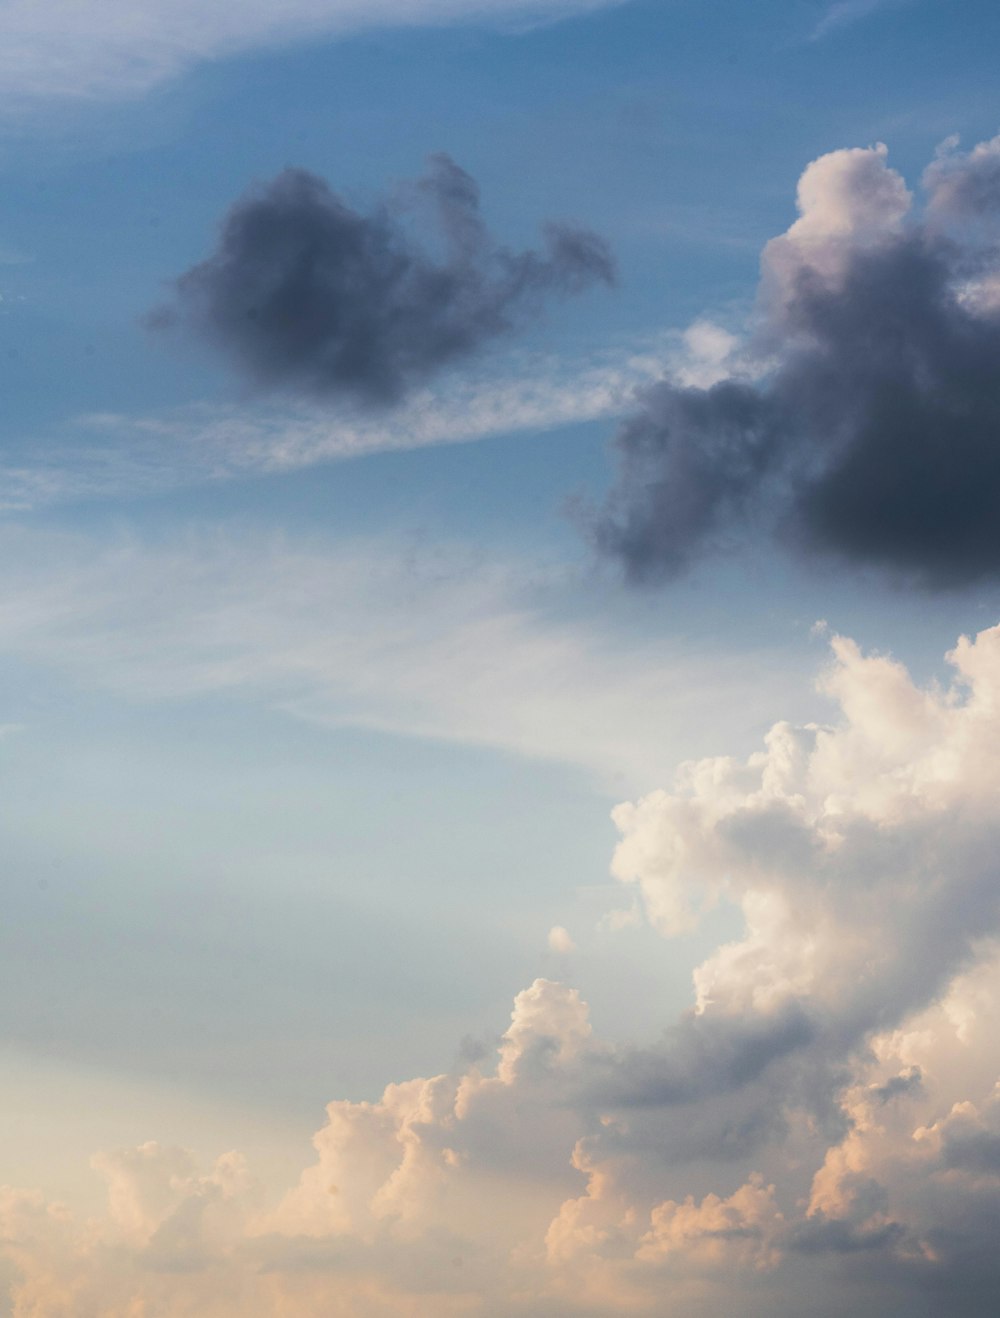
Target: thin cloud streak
<point x="68" y="51"/>
<point x="116" y="455"/>
<point x="845" y="13"/>
<point x="430" y="642"/>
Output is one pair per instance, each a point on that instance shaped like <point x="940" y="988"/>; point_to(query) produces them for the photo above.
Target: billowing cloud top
<point x="305" y="292"/>
<point x="863" y="420"/>
<point x="820" y="1132"/>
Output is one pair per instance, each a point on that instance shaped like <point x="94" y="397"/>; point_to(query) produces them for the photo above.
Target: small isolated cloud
<point x="819" y="1133"/>
<point x="862" y="419"/>
<point x="306" y="294"/>
<point x="560" y="940"/>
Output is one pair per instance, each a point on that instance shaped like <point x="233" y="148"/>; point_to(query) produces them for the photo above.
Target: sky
<point x="500" y="653"/>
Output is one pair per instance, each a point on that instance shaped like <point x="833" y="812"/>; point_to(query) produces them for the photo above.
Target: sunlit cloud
<point x="825" y="1116"/>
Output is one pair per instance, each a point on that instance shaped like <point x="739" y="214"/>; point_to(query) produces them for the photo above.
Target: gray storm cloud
<point x="306" y="294"/>
<point x="864" y="419"/>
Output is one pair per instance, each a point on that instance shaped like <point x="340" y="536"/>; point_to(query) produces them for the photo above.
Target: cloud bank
<point x="307" y="294"/>
<point x="819" y="1133"/>
<point x="73" y="50"/>
<point x="862" y="420"/>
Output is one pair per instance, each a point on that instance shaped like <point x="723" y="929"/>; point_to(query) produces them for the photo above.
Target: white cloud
<point x="709" y="354"/>
<point x="560" y="940"/>
<point x="88" y="49"/>
<point x="848" y="200"/>
<point x="703" y="1233"/>
<point x="824" y="1123"/>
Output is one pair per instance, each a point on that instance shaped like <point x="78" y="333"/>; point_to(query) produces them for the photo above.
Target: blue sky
<point x="315" y="709"/>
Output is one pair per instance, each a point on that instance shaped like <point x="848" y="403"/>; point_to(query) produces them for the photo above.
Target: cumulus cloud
<point x="821" y="1130"/>
<point x="307" y="294"/>
<point x="862" y="418"/>
<point x="79" y="50"/>
<point x="560" y="940"/>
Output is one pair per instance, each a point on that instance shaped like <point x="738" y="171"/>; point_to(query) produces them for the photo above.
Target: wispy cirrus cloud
<point x="112" y="455"/>
<point x="73" y="50"/>
<point x="428" y="641"/>
<point x="844" y="13"/>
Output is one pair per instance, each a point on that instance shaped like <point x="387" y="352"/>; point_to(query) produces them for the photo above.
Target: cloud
<point x="845" y="13"/>
<point x="306" y="294"/>
<point x="863" y="417"/>
<point x="415" y="638"/>
<point x="965" y="189"/>
<point x="560" y="940"/>
<point x="110" y="455"/>
<point x="821" y="1128"/>
<point x="73" y="50"/>
<point x="862" y="855"/>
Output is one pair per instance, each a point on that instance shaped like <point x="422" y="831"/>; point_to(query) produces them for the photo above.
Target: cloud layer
<point x="863" y="418"/>
<point x="820" y="1132"/>
<point x="307" y="294"/>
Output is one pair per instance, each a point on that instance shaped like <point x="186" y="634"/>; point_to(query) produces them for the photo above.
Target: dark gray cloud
<point x="308" y="294"/>
<point x="701" y="1057"/>
<point x="975" y="1151"/>
<point x="689" y="462"/>
<point x="906" y="1084"/>
<point x="870" y="429"/>
<point x="856" y="1233"/>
